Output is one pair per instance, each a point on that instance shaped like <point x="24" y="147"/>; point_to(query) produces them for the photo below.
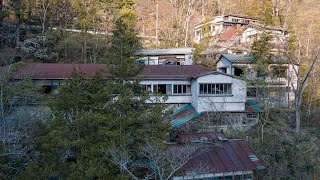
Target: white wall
<point x="234" y="102"/>
<point x="223" y="63"/>
<point x="171" y="98"/>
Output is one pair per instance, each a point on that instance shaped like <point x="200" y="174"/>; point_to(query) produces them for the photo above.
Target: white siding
<point x="223" y="63"/>
<point x="171" y="98"/>
<point x="234" y="102"/>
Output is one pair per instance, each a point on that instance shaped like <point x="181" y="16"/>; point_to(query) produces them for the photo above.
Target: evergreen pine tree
<point x="124" y="43"/>
<point x="90" y="116"/>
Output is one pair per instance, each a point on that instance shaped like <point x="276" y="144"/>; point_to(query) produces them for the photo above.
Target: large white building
<point x="191" y="90"/>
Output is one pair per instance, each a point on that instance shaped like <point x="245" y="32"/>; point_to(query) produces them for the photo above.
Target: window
<point x="279" y="72"/>
<point x="181" y="89"/>
<point x="224" y="70"/>
<point x="159" y="88"/>
<point x="235" y="20"/>
<point x="162" y="89"/>
<point x="217" y="89"/>
<point x="147" y="88"/>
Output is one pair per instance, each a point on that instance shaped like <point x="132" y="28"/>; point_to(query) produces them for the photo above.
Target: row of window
<point x="215" y="89"/>
<point x="167" y="88"/>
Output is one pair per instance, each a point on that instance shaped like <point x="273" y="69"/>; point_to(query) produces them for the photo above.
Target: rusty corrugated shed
<point x="221" y="155"/>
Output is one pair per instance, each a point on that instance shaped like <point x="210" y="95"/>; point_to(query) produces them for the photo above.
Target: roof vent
<point x="220" y="138"/>
<point x="203" y="139"/>
<point x="253" y="157"/>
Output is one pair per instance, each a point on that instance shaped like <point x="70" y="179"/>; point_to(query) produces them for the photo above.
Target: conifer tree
<point x="124" y="43"/>
<point x="90" y="116"/>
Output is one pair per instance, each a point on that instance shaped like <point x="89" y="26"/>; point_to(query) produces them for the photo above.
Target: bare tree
<point x="161" y="162"/>
<point x="300" y="58"/>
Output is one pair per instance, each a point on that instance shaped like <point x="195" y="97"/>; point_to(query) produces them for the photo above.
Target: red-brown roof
<point x="57" y="71"/>
<point x="64" y="71"/>
<point x="172" y="71"/>
<point x="228" y="34"/>
<point x="221" y="154"/>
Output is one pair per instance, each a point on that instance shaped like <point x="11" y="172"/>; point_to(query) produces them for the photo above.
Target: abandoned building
<point x="191" y="90"/>
<point x="218" y="158"/>
<point x="273" y="85"/>
<point x="219" y="24"/>
<point x="172" y="56"/>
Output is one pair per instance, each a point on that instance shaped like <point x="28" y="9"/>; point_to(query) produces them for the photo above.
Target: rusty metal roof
<point x="221" y="155"/>
<point x="177" y="72"/>
<point x="57" y="71"/>
<point x="64" y="71"/>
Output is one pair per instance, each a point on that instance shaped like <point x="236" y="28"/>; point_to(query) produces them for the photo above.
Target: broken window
<point x="238" y="71"/>
<point x="219" y="89"/>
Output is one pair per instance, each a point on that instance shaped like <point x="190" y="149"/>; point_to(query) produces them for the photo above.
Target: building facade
<point x="189" y="90"/>
<point x="275" y="87"/>
<point x="172" y="56"/>
<point x="219" y="24"/>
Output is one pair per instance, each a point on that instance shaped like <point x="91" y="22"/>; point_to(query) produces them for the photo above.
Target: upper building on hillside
<point x="238" y="38"/>
<point x="172" y="56"/>
<point x="219" y="24"/>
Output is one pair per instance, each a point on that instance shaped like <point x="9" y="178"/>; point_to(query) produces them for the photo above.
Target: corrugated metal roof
<point x="253" y="106"/>
<point x="220" y="154"/>
<point x="245" y="58"/>
<point x="172" y="71"/>
<point x="58" y="71"/>
<point x="171" y="51"/>
<point x="183" y="115"/>
<point x="64" y="71"/>
<point x="238" y="58"/>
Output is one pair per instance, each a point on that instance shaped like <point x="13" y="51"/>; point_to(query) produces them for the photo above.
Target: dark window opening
<point x="160" y="89"/>
<point x="279" y="72"/>
<point x="47" y="89"/>
<point x="238" y="71"/>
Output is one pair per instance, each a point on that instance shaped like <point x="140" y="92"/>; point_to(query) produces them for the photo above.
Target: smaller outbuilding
<point x="220" y="158"/>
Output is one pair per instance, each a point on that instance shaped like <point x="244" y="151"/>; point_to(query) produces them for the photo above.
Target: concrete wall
<point x="208" y="102"/>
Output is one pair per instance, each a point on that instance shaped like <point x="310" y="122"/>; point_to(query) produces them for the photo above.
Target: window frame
<point x="183" y="89"/>
<point x="215" y="89"/>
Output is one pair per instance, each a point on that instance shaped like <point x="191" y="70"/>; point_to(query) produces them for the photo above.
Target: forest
<point x="82" y="132"/>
